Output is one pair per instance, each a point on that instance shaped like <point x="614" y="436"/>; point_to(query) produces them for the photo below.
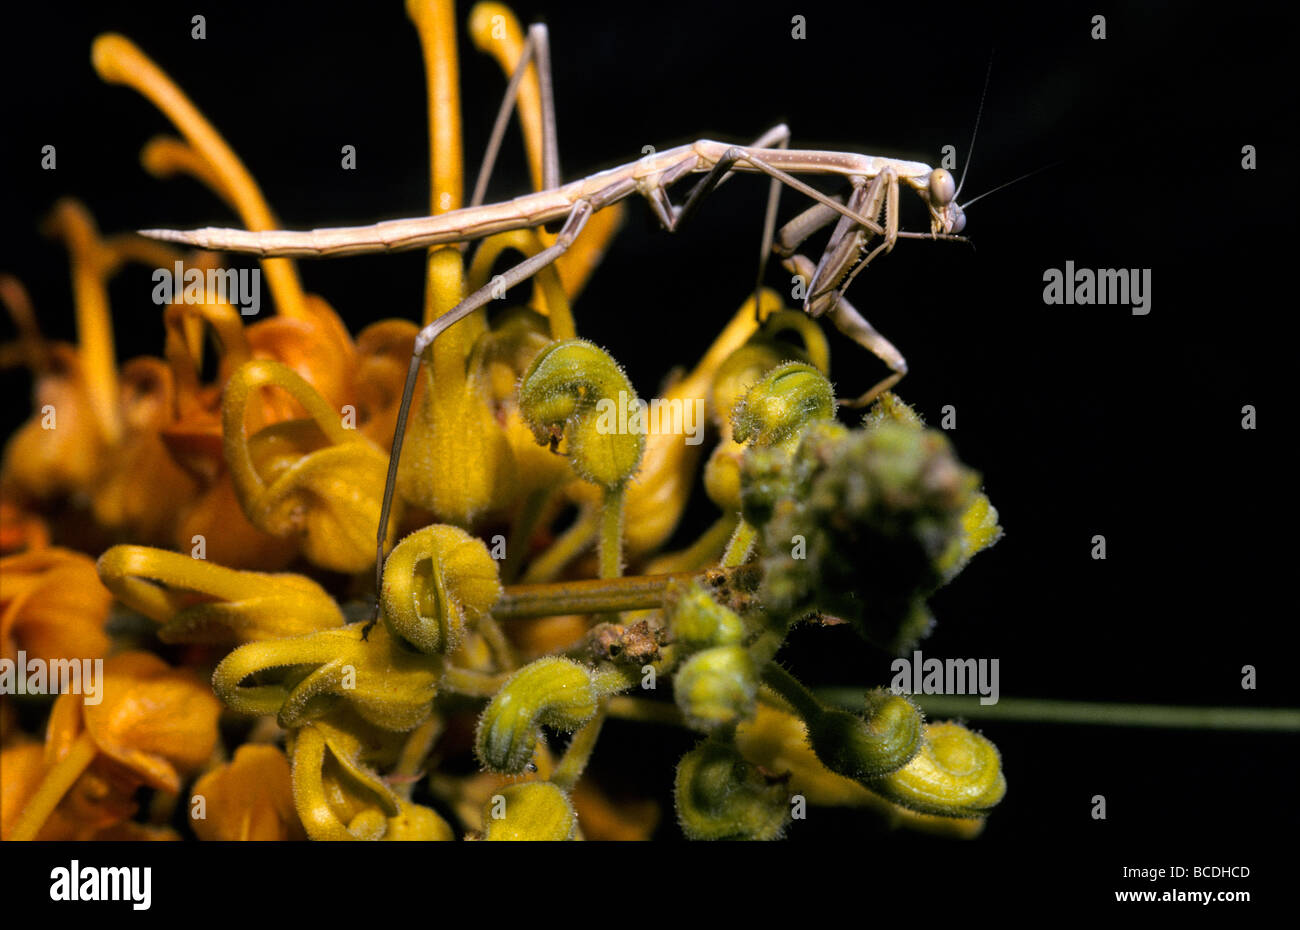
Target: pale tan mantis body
<point x="870" y="210"/>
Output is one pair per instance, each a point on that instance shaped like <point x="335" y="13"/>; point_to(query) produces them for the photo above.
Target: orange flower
<point x="52" y="606"/>
<point x="153" y="725"/>
<point x="250" y="798"/>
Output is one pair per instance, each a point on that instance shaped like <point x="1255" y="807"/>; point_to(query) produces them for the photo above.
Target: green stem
<point x="611" y="532"/>
<point x="586" y="596"/>
<point x="1033" y="710"/>
<point x="522" y="532"/>
<point x="741" y="542"/>
<point x="566" y="548"/>
<point x="578" y="753"/>
<point x="705" y="551"/>
<point x="803" y="701"/>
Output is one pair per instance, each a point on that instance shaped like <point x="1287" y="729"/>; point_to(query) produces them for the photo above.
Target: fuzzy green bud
<point x="720" y="796"/>
<point x="884" y="740"/>
<point x="781" y="404"/>
<point x="574" y="389"/>
<point x="696" y="620"/>
<point x="716" y="687"/>
<point x="552" y="691"/>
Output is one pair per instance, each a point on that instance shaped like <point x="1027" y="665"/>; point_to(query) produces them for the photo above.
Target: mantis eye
<point x="942" y="187"/>
<point x="958" y="217"/>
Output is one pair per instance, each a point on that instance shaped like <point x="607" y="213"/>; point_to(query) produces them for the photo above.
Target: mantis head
<point x="946" y="215"/>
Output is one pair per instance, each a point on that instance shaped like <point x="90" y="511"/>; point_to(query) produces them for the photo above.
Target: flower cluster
<point x="205" y="528"/>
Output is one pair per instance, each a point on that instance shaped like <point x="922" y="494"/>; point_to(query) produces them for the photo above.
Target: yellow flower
<point x="197" y="601"/>
<point x="315" y="479"/>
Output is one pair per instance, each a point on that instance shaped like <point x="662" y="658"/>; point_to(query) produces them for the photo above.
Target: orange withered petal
<point x="52" y="606"/>
<point x="157" y="721"/>
<point x="249" y="798"/>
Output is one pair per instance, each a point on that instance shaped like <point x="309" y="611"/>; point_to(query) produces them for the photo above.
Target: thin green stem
<point x="578" y="753"/>
<point x="585" y="596"/>
<point x="803" y="701"/>
<point x="522" y="532"/>
<point x="1034" y="710"/>
<point x="566" y="548"/>
<point x="611" y="532"/>
<point x="741" y="542"/>
<point x="705" y="551"/>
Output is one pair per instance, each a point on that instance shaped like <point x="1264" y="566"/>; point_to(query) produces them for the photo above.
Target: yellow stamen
<point x="167" y="156"/>
<point x="119" y="61"/>
<point x="547" y="280"/>
<point x="56" y="784"/>
<point x="90" y="259"/>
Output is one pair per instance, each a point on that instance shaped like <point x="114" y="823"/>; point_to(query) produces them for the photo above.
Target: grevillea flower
<point x="52" y="606"/>
<point x="153" y="725"/>
<point x="200" y="479"/>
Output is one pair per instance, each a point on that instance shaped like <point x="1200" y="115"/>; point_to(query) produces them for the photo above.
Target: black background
<point x="1083" y="420"/>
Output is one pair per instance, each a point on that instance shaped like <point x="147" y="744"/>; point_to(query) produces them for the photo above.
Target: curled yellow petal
<point x="198" y="601"/>
<point x="957" y="773"/>
<point x="387" y="684"/>
<point x="318" y="480"/>
<point x="437" y="582"/>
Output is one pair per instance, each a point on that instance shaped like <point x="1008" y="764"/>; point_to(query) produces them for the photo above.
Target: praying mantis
<point x="867" y="224"/>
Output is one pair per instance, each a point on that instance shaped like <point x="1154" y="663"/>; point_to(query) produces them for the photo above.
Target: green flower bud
<point x="779" y="405"/>
<point x="696" y="620"/>
<point x="889" y="408"/>
<point x="957" y="773"/>
<point x="716" y="687"/>
<point x="552" y="691"/>
<point x="886" y="739"/>
<point x="720" y="796"/>
<point x="742" y="369"/>
<point x="535" y="810"/>
<point x="574" y="389"/>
